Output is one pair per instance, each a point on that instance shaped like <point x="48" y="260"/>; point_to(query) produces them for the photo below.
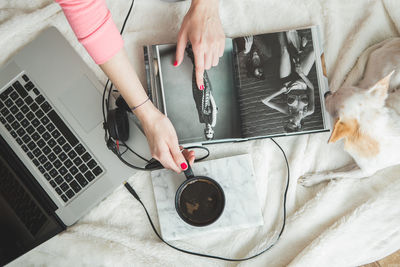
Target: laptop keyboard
<point x="57" y="153"/>
<point x="20" y="201"/>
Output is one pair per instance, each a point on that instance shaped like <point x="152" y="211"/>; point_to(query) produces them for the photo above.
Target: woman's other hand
<point x="202" y="27"/>
<point x="162" y="139"/>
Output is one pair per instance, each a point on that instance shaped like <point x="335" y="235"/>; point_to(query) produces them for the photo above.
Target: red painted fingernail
<point x="201" y="87"/>
<point x="184" y="166"/>
<point x="175" y="63"/>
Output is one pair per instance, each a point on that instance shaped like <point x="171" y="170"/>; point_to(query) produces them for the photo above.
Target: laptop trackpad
<point x="83" y="101"/>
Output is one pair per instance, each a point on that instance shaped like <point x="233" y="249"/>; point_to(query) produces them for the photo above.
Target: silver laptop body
<point x="73" y="95"/>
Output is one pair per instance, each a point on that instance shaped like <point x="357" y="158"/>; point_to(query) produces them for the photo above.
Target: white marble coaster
<point x="236" y="177"/>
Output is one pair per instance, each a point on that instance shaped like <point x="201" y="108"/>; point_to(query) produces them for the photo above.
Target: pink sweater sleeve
<point x="93" y="26"/>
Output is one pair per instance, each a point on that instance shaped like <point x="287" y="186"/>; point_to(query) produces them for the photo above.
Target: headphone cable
<point x="104" y="101"/>
<point x="105" y="109"/>
<point x="136" y="196"/>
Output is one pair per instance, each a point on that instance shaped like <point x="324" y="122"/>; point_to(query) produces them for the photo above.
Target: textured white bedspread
<point x="337" y="223"/>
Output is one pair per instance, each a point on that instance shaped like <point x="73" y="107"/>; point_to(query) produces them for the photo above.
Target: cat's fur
<point x="367" y="117"/>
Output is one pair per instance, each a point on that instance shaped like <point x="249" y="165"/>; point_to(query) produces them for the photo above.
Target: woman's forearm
<point x="123" y="76"/>
<point x="159" y="131"/>
<point x="278" y="107"/>
<point x="272" y="96"/>
<point x="209" y="3"/>
<point x="93" y="26"/>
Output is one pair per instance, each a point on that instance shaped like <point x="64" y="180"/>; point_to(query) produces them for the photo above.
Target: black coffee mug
<point x="199" y="200"/>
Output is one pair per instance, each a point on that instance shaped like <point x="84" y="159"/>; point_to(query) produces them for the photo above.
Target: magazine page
<point x="277" y="83"/>
<point x="199" y="116"/>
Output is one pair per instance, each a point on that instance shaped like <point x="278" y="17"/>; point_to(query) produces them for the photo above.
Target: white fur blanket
<point x="337" y="223"/>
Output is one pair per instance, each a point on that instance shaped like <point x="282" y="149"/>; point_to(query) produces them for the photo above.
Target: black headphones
<point x="117" y="123"/>
<point x="116" y="127"/>
<point x="116" y="130"/>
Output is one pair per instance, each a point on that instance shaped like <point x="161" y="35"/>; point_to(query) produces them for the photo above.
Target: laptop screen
<point x="27" y="216"/>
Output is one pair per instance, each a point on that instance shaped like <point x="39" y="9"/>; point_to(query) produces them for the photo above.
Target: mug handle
<point x="188" y="172"/>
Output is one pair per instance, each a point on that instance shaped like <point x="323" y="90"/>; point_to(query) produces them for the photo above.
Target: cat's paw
<point x="310" y="179"/>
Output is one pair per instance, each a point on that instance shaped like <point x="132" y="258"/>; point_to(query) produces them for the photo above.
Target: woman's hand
<point x="159" y="131"/>
<point x="162" y="139"/>
<point x="202" y="27"/>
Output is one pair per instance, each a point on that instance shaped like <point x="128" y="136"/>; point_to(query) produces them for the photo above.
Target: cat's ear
<point x="380" y="89"/>
<point x="344" y="128"/>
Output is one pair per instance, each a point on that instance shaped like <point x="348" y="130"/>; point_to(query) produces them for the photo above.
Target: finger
<point x="180" y="48"/>
<point x="178" y="157"/>
<point x="168" y="162"/>
<point x="189" y="155"/>
<point x="184" y="151"/>
<point x="191" y="158"/>
<point x="199" y="63"/>
<point x="164" y="156"/>
<point x="221" y="48"/>
<point x="215" y="57"/>
<point x="208" y="58"/>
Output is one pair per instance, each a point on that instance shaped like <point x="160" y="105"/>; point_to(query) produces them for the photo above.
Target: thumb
<point x="180" y="48"/>
<point x="179" y="158"/>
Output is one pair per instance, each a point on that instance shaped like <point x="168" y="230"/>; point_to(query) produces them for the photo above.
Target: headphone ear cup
<point x="118" y="124"/>
<point x="111" y="123"/>
<point x="120" y="102"/>
<point x="122" y="125"/>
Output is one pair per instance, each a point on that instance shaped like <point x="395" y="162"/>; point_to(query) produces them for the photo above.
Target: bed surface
<point x="336" y="223"/>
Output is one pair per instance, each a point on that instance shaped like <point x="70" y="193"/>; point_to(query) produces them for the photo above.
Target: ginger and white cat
<point x="367" y="117"/>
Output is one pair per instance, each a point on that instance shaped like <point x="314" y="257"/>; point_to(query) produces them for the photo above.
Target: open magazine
<point x="264" y="85"/>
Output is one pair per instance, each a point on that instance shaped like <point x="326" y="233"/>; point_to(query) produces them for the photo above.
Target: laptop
<point x="54" y="164"/>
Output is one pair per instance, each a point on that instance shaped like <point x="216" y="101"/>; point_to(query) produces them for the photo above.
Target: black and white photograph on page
<point x="278" y="84"/>
<point x="206" y="106"/>
<point x="199" y="115"/>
